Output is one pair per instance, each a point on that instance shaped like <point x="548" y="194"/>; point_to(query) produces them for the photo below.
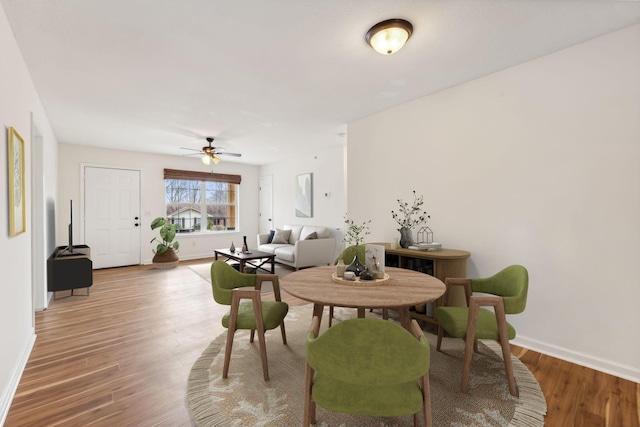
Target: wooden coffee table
<point x="255" y="259"/>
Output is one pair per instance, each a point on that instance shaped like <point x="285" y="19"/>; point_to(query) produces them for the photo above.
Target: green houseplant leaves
<point x="167" y="234"/>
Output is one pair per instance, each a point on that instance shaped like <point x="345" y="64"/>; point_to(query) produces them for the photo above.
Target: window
<point x="200" y="201"/>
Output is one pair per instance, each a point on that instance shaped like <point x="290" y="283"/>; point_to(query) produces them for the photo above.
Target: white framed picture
<point x="304" y="195"/>
<point x="374" y="254"/>
<point x="17" y="202"/>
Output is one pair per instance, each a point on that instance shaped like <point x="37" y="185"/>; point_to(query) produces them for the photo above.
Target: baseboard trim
<point x="9" y="392"/>
<point x="607" y="366"/>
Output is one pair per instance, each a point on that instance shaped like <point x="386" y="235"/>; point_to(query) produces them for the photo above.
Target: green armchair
<point x="508" y="295"/>
<point x="255" y="314"/>
<point x="367" y="367"/>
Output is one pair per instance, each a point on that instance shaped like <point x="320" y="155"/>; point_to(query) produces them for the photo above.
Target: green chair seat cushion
<point x="381" y="400"/>
<point x="273" y="312"/>
<point x="454" y="321"/>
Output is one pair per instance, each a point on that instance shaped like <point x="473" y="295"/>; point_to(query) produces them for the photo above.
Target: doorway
<point x="112" y="216"/>
<point x="40" y="232"/>
<point x="266" y="203"/>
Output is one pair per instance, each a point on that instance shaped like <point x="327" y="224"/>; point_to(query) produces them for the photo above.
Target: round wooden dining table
<point x="404" y="289"/>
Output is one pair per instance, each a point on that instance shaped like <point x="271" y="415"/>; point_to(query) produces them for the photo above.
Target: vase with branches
<point x="408" y="217"/>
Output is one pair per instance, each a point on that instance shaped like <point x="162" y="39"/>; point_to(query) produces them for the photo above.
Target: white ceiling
<point x="269" y="78"/>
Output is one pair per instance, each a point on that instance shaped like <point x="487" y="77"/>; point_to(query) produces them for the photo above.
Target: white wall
<point x="537" y="165"/>
<point x="328" y="168"/>
<point x="18" y="100"/>
<point x="151" y="166"/>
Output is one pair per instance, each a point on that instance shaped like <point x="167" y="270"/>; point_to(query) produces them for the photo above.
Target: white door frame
<point x="39" y="294"/>
<point x="82" y="201"/>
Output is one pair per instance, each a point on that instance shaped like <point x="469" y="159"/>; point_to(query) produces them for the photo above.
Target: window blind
<point x="202" y="176"/>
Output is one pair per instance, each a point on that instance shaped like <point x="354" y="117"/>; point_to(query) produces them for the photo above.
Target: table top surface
<point x="404" y="288"/>
<point x="237" y="255"/>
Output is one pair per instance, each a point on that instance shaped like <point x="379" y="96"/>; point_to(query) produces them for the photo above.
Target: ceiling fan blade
<point x="190" y="149"/>
<point x="223" y="153"/>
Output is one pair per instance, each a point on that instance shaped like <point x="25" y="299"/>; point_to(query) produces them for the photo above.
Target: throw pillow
<point x="271" y="234"/>
<point x="311" y="236"/>
<point x="281" y="237"/>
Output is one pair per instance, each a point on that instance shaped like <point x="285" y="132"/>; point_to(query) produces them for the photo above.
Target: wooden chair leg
<point x="466" y="367"/>
<point x="284" y="334"/>
<point x="470" y="341"/>
<point x="506" y="351"/>
<point x="227" y="351"/>
<point x="263" y="353"/>
<point x="426" y="406"/>
<point x="330" y="315"/>
<point x="440" y="334"/>
<point x="253" y="332"/>
<point x="233" y="319"/>
<point x="385" y="314"/>
<point x="307" y="417"/>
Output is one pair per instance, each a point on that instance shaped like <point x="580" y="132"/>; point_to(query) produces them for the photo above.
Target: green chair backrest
<point x="225" y="278"/>
<point x="512" y="284"/>
<point x="349" y="254"/>
<point x="368" y="352"/>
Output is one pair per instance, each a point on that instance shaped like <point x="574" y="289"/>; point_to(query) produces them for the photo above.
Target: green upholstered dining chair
<point x="368" y="367"/>
<point x="506" y="292"/>
<point x="254" y="314"/>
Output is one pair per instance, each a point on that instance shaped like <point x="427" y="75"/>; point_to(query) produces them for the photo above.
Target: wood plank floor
<point x="121" y="357"/>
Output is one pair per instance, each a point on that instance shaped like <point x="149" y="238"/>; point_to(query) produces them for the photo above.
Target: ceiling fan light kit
<point x="388" y="37"/>
<point x="210" y="153"/>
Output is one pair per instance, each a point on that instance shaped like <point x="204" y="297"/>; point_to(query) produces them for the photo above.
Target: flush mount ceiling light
<point x="389" y="36"/>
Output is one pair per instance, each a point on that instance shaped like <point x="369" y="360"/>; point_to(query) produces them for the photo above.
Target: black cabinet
<point x="70" y="269"/>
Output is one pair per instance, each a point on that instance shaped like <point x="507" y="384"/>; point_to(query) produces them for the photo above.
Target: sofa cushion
<point x="271" y="234"/>
<point x="295" y="233"/>
<point x="311" y="236"/>
<point x="321" y="232"/>
<point x="286" y="253"/>
<point x="281" y="236"/>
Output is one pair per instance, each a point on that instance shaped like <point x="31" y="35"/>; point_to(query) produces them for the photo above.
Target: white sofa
<point x="300" y="251"/>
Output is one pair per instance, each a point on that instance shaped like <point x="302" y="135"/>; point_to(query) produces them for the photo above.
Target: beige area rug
<point x="245" y="399"/>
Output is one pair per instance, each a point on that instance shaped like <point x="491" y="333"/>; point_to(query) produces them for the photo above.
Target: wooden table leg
<point x="273" y="267"/>
<point x="405" y="317"/>
<point x="318" y="309"/>
<point x="360" y="313"/>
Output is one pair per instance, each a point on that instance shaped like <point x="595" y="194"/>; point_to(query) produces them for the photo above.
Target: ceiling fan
<point x="210" y="153"/>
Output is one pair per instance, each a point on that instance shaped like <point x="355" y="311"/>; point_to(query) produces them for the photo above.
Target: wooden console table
<point x="69" y="270"/>
<point x="441" y="264"/>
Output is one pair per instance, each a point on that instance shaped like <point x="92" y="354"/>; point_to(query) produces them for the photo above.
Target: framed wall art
<point x="17" y="196"/>
<point x="304" y="195"/>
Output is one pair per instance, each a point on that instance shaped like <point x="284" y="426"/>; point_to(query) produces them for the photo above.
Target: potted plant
<point x="355" y="235"/>
<point x="165" y="252"/>
<point x="408" y="217"/>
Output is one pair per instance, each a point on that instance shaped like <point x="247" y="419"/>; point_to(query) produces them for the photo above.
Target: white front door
<point x="266" y="204"/>
<point x="112" y="216"/>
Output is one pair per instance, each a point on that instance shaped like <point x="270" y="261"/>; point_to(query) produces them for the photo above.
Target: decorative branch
<point x="405" y="215"/>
